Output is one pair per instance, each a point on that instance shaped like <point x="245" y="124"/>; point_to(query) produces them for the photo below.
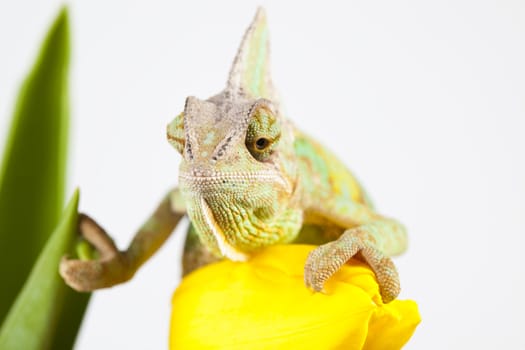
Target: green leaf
<point x="31" y="322"/>
<point x="32" y="173"/>
<point x="67" y="326"/>
<point x="47" y="313"/>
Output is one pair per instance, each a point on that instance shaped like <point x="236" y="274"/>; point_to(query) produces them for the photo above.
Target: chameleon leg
<point x="109" y="269"/>
<point x="195" y="253"/>
<point x="114" y="266"/>
<point x="366" y="242"/>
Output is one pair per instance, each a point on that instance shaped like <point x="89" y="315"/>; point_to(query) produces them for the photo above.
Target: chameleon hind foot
<point x="326" y="259"/>
<point x="109" y="269"/>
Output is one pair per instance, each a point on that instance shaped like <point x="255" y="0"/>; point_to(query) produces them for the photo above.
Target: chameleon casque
<point x="249" y="179"/>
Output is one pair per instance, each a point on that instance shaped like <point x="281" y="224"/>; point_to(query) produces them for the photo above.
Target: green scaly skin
<point x="249" y="179"/>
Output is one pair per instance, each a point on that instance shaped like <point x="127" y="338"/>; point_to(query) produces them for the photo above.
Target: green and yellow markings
<point x="327" y="175"/>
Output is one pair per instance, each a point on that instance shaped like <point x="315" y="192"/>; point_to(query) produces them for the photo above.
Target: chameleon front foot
<point x="326" y="259"/>
<point x="109" y="269"/>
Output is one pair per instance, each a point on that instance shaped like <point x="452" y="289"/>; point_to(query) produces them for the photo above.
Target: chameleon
<point x="248" y="179"/>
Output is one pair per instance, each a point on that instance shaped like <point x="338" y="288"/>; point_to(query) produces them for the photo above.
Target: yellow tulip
<point x="264" y="304"/>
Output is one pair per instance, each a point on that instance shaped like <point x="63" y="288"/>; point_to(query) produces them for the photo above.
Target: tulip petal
<point x="263" y="303"/>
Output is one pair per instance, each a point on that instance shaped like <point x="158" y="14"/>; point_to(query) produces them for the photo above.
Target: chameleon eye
<point x="263" y="134"/>
<point x="175" y="133"/>
<point x="262" y="143"/>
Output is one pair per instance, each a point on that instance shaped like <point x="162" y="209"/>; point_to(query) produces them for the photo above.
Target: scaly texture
<point x="249" y="179"/>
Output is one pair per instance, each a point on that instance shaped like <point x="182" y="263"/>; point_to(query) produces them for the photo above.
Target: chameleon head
<point x="238" y="173"/>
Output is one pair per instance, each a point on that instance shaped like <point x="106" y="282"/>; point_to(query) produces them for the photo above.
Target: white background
<point x="424" y="100"/>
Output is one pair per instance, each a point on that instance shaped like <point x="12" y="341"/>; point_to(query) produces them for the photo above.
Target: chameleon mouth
<point x="226" y="248"/>
<point x="195" y="179"/>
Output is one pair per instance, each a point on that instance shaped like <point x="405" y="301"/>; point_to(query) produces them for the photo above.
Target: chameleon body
<point x="249" y="179"/>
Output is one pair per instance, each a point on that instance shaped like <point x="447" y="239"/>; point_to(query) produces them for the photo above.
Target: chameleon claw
<point x="327" y="259"/>
<point x="82" y="276"/>
<point x="320" y="265"/>
<point x="86" y="275"/>
<point x="96" y="236"/>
